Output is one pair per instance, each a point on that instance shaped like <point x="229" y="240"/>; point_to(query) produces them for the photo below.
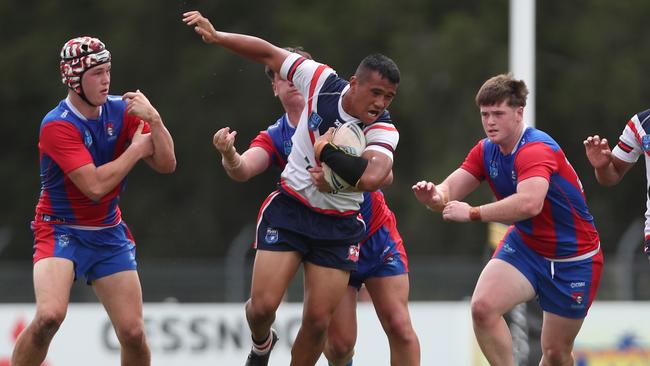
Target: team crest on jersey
<point x="353" y="253"/>
<point x="110" y="131"/>
<point x="88" y="139"/>
<point x="287" y="147"/>
<point x="271" y="236"/>
<point x="314" y="121"/>
<point x="493" y="169"/>
<point x="645" y="140"/>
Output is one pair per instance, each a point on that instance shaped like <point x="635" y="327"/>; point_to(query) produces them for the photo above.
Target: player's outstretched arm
<point x="239" y="167"/>
<point x="95" y="182"/>
<point x="163" y="159"/>
<point x="609" y="169"/>
<point x="250" y="47"/>
<point x="456" y="186"/>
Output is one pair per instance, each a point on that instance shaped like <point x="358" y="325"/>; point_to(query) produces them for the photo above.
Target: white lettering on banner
<point x="217" y="334"/>
<point x="199" y="334"/>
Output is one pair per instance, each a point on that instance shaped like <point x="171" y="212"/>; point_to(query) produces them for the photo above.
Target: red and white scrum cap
<point x="77" y="56"/>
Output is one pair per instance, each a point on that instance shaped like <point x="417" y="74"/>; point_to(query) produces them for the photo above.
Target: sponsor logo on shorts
<point x="578" y="298"/>
<point x="578" y="284"/>
<point x="353" y="253"/>
<point x="63" y="240"/>
<point x="271" y="236"/>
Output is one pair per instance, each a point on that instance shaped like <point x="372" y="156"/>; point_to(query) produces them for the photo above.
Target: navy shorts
<point x="381" y="255"/>
<point x="565" y="288"/>
<point x="95" y="253"/>
<point x="285" y="224"/>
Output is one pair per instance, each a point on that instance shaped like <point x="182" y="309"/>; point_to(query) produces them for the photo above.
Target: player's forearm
<point x="236" y="168"/>
<point x="516" y="207"/>
<point x="608" y="175"/>
<point x="109" y="175"/>
<point x="163" y="159"/>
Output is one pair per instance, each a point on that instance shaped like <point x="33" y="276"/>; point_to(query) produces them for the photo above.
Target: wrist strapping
<point x="475" y="213"/>
<point x="349" y="167"/>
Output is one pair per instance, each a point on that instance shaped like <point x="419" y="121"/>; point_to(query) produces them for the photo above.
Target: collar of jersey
<point x="77" y="113"/>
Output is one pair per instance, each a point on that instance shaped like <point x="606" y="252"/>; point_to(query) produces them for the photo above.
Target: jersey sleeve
<point x="264" y="141"/>
<point x="131" y="124"/>
<point x="382" y="137"/>
<point x="473" y="162"/>
<point x="535" y="160"/>
<point x="307" y="75"/>
<point x="63" y="142"/>
<point x="629" y="146"/>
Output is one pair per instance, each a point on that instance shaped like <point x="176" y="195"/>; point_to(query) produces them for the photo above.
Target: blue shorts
<point x="285" y="224"/>
<point x="381" y="255"/>
<point x="95" y="253"/>
<point x="563" y="288"/>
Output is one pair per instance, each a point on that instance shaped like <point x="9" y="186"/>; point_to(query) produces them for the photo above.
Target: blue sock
<point x="349" y="364"/>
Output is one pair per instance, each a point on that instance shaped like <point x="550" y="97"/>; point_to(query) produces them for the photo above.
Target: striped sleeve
<point x="307" y="75"/>
<point x="382" y="137"/>
<point x="629" y="146"/>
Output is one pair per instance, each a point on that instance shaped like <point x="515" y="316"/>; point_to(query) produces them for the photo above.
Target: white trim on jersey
<point x="379" y="135"/>
<point x="632" y="136"/>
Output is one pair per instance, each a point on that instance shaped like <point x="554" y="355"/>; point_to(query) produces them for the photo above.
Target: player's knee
<point x="483" y="313"/>
<point x="132" y="335"/>
<point x="399" y="328"/>
<point x="340" y="347"/>
<point x="316" y="321"/>
<point x="47" y="322"/>
<point x="556" y="354"/>
<point x="259" y="309"/>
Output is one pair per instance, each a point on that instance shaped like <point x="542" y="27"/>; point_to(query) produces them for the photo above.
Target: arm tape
<point x="348" y="167"/>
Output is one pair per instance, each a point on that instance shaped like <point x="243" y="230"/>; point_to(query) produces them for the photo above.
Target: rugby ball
<point x="350" y="138"/>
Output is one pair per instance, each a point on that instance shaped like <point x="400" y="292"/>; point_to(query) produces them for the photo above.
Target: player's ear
<point x="353" y="81"/>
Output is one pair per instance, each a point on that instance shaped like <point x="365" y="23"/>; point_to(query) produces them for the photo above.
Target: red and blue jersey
<point x="564" y="228"/>
<point x="276" y="141"/>
<point x="68" y="141"/>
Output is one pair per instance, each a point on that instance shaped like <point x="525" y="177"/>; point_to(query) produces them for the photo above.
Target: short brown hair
<point x="299" y="50"/>
<point x="501" y="88"/>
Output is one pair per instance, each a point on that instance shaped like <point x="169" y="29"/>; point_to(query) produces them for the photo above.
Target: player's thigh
<point x="272" y="272"/>
<point x="389" y="296"/>
<point x="344" y="320"/>
<point x="324" y="288"/>
<point x="559" y="332"/>
<point x="53" y="278"/>
<point x="121" y="295"/>
<point x="501" y="286"/>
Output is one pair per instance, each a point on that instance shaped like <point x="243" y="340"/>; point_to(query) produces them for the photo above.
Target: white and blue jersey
<point x="323" y="90"/>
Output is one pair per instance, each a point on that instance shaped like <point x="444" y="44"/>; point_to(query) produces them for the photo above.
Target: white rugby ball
<point x="350" y="138"/>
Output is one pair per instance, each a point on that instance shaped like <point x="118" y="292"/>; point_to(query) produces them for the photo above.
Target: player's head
<point x="372" y="88"/>
<point x="79" y="56"/>
<point x="289" y="96"/>
<point x="501" y="101"/>
<point x="500" y="88"/>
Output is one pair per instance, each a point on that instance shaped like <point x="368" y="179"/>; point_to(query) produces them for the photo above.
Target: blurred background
<point x="194" y="228"/>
